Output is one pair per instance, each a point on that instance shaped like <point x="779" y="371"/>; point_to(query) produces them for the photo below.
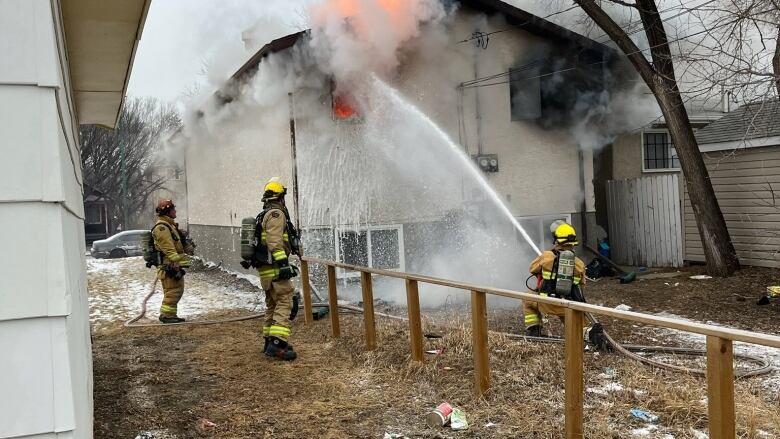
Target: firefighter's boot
<point x="534" y="331"/>
<point x="171" y="319"/>
<point x="279" y="349"/>
<point x="597" y="338"/>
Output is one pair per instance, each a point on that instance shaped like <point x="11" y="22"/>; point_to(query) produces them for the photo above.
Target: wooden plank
<point x="479" y="331"/>
<point x="415" y="324"/>
<point x="676" y="215"/>
<point x="333" y="302"/>
<point x="305" y="279"/>
<point x="369" y="324"/>
<point x="696" y="328"/>
<point x="574" y="382"/>
<point x="720" y="388"/>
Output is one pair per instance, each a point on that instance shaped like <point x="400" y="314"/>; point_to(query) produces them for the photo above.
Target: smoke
<point x="353" y="37"/>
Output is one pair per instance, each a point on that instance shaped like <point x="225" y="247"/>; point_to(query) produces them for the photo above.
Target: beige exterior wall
<point x="627" y="156"/>
<point x="746" y="183"/>
<point x="538" y="169"/>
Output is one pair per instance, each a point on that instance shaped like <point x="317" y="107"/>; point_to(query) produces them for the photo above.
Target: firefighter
<point x="556" y="281"/>
<point x="275" y="232"/>
<point x="176" y="249"/>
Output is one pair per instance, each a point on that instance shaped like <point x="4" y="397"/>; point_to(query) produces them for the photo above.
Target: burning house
<point x="447" y="153"/>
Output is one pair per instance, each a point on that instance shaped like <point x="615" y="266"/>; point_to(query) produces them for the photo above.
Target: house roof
<point x="752" y="121"/>
<point x="514" y="16"/>
<point x="101" y="38"/>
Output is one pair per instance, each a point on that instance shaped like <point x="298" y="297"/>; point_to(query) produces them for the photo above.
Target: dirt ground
<point x="175" y="381"/>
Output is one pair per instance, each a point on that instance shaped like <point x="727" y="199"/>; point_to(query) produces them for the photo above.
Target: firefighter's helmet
<point x="274" y="189"/>
<point x="565" y="234"/>
<point x="164" y="206"/>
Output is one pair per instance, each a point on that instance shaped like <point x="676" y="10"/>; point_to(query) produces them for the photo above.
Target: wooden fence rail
<point x="720" y="354"/>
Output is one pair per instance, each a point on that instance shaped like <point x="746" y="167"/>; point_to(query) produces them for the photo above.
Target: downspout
<point x="293" y="153"/>
<point x="583" y="203"/>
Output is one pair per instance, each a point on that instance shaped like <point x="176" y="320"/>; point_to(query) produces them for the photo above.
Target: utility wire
<point x="498" y="75"/>
<point x="477" y="84"/>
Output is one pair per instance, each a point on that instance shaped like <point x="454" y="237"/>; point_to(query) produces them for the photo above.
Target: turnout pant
<point x="278" y="302"/>
<point x="172" y="291"/>
<point x="533" y="312"/>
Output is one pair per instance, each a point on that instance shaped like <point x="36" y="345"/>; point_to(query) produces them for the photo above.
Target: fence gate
<point x="645" y="221"/>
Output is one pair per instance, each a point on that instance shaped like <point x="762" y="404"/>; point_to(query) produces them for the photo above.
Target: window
<point x="525" y="94"/>
<point x="538" y="228"/>
<point x="377" y="247"/>
<point x="174" y="173"/>
<point x="93" y="215"/>
<point x="658" y="153"/>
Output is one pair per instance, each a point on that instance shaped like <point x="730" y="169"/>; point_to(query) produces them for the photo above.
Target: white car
<point x="121" y="245"/>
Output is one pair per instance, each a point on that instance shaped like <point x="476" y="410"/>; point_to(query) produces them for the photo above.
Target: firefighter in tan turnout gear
<point x="175" y="249"/>
<point x="275" y="238"/>
<point x="560" y="274"/>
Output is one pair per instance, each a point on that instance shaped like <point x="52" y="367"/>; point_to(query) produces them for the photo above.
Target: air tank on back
<point x="248" y="243"/>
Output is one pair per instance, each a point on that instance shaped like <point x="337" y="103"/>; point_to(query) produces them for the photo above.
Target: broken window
<point x="525" y="94"/>
<point x="658" y="152"/>
<point x="375" y="247"/>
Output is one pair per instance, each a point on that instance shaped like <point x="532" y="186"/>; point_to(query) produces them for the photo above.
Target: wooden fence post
<point x="480" y="342"/>
<point x="574" y="382"/>
<point x="333" y="302"/>
<point x="415" y="325"/>
<point x="308" y="311"/>
<point x="720" y="387"/>
<point x="368" y="310"/>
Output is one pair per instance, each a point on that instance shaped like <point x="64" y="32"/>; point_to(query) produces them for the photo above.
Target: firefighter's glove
<point x="287" y="272"/>
<point x="246" y="264"/>
<point x="296" y="302"/>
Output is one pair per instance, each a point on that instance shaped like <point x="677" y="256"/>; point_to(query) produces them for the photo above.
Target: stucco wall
<point x="46" y="371"/>
<point x="627" y="156"/>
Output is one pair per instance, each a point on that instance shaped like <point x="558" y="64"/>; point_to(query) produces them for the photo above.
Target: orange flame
<point x="342" y="109"/>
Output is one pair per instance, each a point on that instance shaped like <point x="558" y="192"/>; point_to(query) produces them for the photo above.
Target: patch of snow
<point x="770" y="382"/>
<point x="118" y="286"/>
<point x="605" y="389"/>
<point x="623" y="307"/>
<point x="700" y="277"/>
<point x="644" y="431"/>
<point x="699" y="434"/>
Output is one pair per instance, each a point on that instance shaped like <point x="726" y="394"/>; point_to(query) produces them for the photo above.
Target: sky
<point x="189" y="44"/>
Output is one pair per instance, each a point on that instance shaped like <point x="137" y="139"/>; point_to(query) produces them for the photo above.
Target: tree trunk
<point x="660" y="78"/>
<point x="718" y="249"/>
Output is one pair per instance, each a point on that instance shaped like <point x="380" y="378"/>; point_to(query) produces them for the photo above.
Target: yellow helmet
<point x="274" y="188"/>
<point x="565" y="234"/>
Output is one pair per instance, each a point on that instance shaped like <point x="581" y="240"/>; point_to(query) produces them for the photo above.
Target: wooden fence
<point x="720" y="353"/>
<point x="645" y="225"/>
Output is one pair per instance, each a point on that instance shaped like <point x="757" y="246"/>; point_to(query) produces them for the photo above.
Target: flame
<point x="342" y="109"/>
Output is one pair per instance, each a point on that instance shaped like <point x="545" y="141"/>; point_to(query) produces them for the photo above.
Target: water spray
<point x="469" y="165"/>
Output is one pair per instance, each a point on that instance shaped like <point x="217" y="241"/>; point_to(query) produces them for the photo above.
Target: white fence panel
<point x="645" y="225"/>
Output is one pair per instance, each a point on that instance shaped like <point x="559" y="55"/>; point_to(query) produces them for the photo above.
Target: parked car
<point x="123" y="244"/>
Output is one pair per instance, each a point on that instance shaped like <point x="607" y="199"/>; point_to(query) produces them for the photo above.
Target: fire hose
<point x="629" y="351"/>
<point x="132" y="322"/>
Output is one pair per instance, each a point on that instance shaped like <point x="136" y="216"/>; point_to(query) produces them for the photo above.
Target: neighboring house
<point x="62" y="63"/>
<point x="97" y="222"/>
<point x="650" y="216"/>
<point x="742" y="154"/>
<point x="174" y="187"/>
<point x="527" y="155"/>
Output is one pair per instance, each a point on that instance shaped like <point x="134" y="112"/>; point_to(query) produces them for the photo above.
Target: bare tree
<point x="120" y="163"/>
<point x="737" y="50"/>
<point x="659" y="75"/>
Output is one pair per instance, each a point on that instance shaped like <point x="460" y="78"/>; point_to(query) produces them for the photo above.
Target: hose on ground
<point x="629" y="351"/>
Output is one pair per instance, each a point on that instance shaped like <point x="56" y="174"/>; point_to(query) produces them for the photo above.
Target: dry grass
<point x="166" y="379"/>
